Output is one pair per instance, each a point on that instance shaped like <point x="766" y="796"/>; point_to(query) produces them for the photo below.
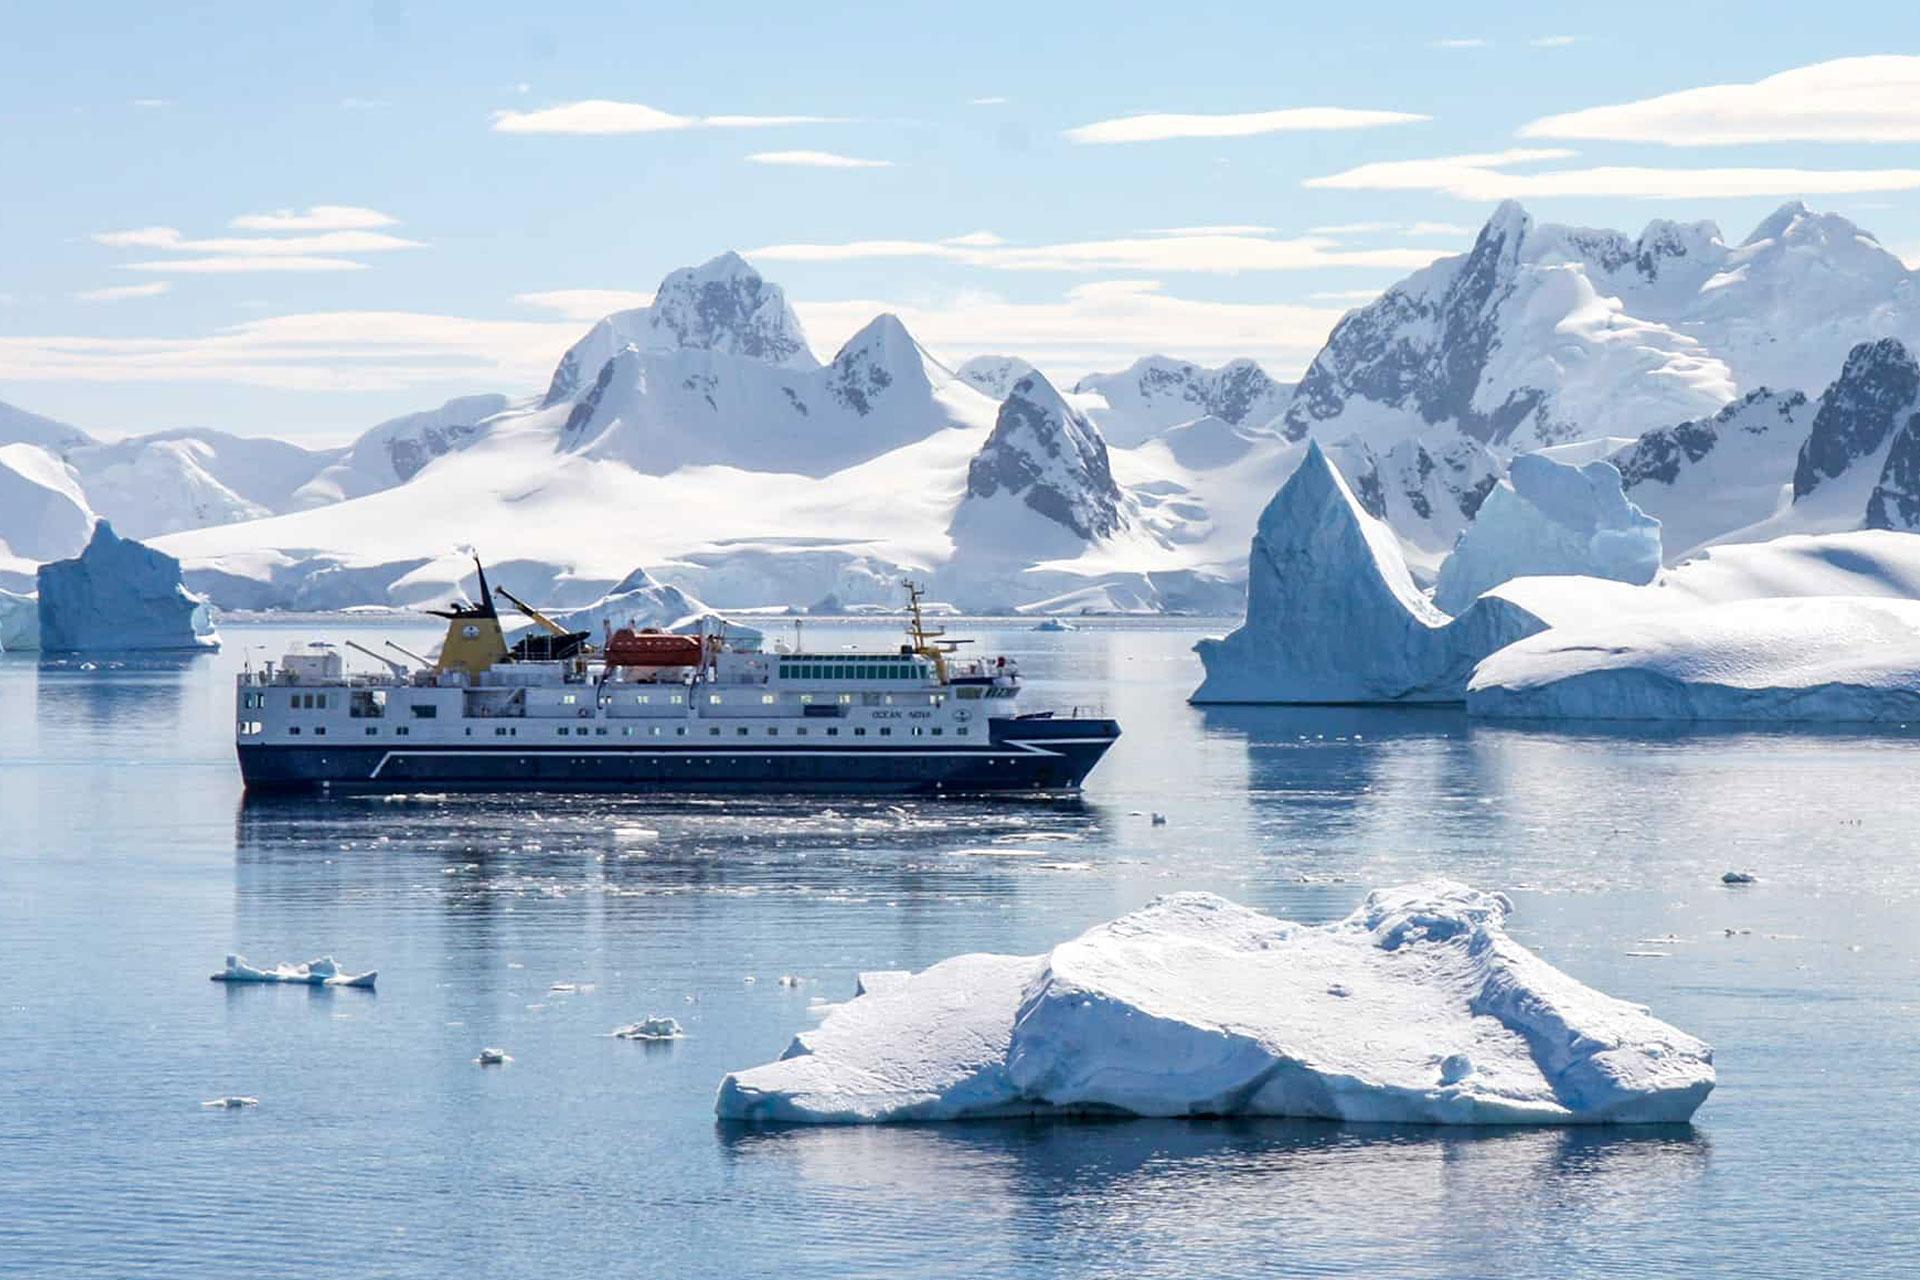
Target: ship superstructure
<point x="651" y="710"/>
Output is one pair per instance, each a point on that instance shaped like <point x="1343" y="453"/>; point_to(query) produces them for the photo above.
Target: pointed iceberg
<point x="120" y="595"/>
<point x="1333" y="614"/>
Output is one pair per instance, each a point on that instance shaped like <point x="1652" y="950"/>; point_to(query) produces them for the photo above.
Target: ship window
<point x="742" y="731"/>
<point x="801" y="732"/>
<point x="676" y="699"/>
<point x="833" y="733"/>
<point x="889" y="699"/>
<point x="567" y="698"/>
<point x="294" y="729"/>
<point x="425" y="711"/>
<point x="656" y="731"/>
<point x="373" y="731"/>
<point x="714" y="732"/>
<point x="681" y="732"/>
<point x="886" y="733"/>
<point x="772" y="732"/>
<point x="401" y="732"/>
<point x="599" y="733"/>
<point x="641" y="698"/>
<point x="938" y="731"/>
<point x="916" y="731"/>
<point x="320" y="731"/>
<point x="859" y="733"/>
<point x="714" y="698"/>
<point x="500" y="732"/>
<point x="806" y="698"/>
<point x="846" y="698"/>
<point x="768" y="699"/>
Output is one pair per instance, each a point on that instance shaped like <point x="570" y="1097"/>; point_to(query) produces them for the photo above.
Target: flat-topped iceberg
<point x="1550" y="517"/>
<point x="1333" y="614"/>
<point x="1417" y="1008"/>
<point x="118" y="595"/>
<point x="323" y="972"/>
<point x="1831" y="659"/>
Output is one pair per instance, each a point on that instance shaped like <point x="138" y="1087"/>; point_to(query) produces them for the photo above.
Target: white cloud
<point x="1101" y="325"/>
<point x="1870" y="99"/>
<point x="1461" y="42"/>
<point x="242" y="264"/>
<point x="602" y="116"/>
<point x="1211" y="253"/>
<point x="975" y="239"/>
<point x="986" y="102"/>
<point x="586" y="304"/>
<point x="320" y="351"/>
<point x="1345" y="295"/>
<point x="1401" y="228"/>
<point x="118" y="292"/>
<point x="1554" y="42"/>
<point x="319" y="217"/>
<point x="229" y="255"/>
<point x="817" y="160"/>
<point x="1160" y="126"/>
<point x="1486" y="177"/>
<point x="1216" y="229"/>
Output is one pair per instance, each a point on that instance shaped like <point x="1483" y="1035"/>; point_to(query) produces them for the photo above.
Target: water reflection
<point x="1210" y="1191"/>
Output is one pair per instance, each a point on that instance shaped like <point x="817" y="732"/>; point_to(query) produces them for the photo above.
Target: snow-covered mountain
<point x="658" y="411"/>
<point x="1157" y="392"/>
<point x="1544" y="334"/>
<point x="43" y="513"/>
<point x="1705" y="478"/>
<point x="722" y="306"/>
<point x="994" y="375"/>
<point x="1043" y="459"/>
<point x="395" y="451"/>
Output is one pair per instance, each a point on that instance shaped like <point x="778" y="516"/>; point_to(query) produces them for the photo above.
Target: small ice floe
<point x="1055" y="624"/>
<point x="1738" y="877"/>
<point x="232" y="1102"/>
<point x="1734" y="933"/>
<point x="1339" y="989"/>
<point x="314" y="973"/>
<point x="789" y="980"/>
<point x="571" y="988"/>
<point x="749" y="980"/>
<point x="1650" y="955"/>
<point x="1195" y="1005"/>
<point x="492" y="1057"/>
<point x="635" y="835"/>
<point x="651" y="1027"/>
<point x="1158" y="819"/>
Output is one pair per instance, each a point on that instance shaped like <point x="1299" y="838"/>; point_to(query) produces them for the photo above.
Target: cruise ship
<point x="650" y="711"/>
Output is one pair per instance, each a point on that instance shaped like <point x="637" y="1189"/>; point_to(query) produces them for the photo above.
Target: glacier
<point x="119" y="595"/>
<point x="1820" y="659"/>
<point x="1416" y="1008"/>
<point x="1550" y="517"/>
<point x="1333" y="615"/>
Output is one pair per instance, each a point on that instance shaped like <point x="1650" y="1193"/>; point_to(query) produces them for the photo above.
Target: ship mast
<point x="927" y="643"/>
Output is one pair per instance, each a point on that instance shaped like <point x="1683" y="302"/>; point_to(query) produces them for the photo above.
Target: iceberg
<point x="314" y="973"/>
<point x="19" y="621"/>
<point x="1333" y="614"/>
<point x="117" y="595"/>
<point x="1417" y="1008"/>
<point x="651" y="1027"/>
<point x="1551" y="518"/>
<point x="1834" y="659"/>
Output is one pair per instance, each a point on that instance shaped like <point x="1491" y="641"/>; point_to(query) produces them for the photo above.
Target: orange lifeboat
<point x="652" y="648"/>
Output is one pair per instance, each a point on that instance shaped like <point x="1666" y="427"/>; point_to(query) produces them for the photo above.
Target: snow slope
<point x="396" y="451"/>
<point x="1417" y="1008"/>
<point x="43" y="513"/>
<point x="1157" y="392"/>
<point x="1704" y="479"/>
<point x="1550" y="517"/>
<point x="1333" y="615"/>
<point x="1818" y="659"/>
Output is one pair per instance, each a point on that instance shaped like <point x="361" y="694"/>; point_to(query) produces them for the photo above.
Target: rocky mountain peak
<point x="1874" y="396"/>
<point x="1052" y="458"/>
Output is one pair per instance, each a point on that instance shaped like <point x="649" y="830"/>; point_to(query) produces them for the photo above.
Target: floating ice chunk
<point x="789" y="980"/>
<point x="1159" y="820"/>
<point x="491" y="1057"/>
<point x="1055" y="624"/>
<point x="232" y="1102"/>
<point x="19" y="622"/>
<point x="1197" y="1006"/>
<point x="1833" y="659"/>
<point x="651" y="1027"/>
<point x="1738" y="877"/>
<point x="323" y="972"/>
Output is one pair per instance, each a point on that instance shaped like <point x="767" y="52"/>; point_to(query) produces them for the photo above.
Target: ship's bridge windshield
<point x="837" y="668"/>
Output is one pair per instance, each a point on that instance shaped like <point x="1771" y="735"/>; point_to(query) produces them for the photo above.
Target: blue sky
<point x="452" y="227"/>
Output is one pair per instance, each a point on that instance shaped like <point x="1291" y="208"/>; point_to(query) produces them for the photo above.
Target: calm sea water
<point x="129" y="865"/>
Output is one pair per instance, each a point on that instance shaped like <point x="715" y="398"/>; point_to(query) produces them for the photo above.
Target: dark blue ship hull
<point x="1032" y="754"/>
